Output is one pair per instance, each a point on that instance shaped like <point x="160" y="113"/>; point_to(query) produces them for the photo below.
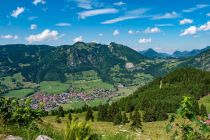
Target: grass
<point x="53" y="87"/>
<point x="151" y="130"/>
<point x="89" y="86"/>
<point x="205" y="101"/>
<point x="19" y="93"/>
<point x="18" y="78"/>
<point x="80" y="104"/>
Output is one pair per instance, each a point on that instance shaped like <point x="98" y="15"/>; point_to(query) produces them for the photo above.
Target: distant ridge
<point x="150" y="53"/>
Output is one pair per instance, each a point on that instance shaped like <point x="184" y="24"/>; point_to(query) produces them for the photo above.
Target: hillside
<point x="201" y="61"/>
<point x="83" y="57"/>
<point x="114" y="64"/>
<point x="163" y="95"/>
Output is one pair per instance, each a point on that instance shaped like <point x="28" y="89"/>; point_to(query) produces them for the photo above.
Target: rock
<point x="43" y="137"/>
<point x="10" y="137"/>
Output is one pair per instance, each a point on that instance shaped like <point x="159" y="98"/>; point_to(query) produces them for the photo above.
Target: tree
<point x="61" y="111"/>
<point x="112" y="111"/>
<point x="70" y="117"/>
<point x="124" y="118"/>
<point x="203" y="111"/>
<point x="89" y="114"/>
<point x="136" y="120"/>
<point x="149" y="115"/>
<point x="102" y="112"/>
<point x="117" y="118"/>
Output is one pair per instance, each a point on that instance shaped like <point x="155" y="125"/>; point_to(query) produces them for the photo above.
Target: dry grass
<point x="151" y="130"/>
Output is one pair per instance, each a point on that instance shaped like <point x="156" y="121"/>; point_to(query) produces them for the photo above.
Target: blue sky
<point x="159" y="24"/>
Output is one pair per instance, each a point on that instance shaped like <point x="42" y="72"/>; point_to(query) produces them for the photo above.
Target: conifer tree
<point x="70" y="117"/>
<point x="61" y="111"/>
<point x="89" y="114"/>
<point x="117" y="118"/>
<point x="136" y="120"/>
<point x="112" y="111"/>
<point x="102" y="112"/>
<point x="124" y="118"/>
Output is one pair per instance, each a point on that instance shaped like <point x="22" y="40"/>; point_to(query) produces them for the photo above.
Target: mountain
<point x="150" y="53"/>
<point x="17" y="56"/>
<point x="46" y="63"/>
<point x="186" y="54"/>
<point x="113" y="63"/>
<point x="200" y="61"/>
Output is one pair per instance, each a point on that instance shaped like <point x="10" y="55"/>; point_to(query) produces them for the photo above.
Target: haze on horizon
<point x="162" y="25"/>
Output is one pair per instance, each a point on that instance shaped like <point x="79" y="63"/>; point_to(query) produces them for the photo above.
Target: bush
<point x="79" y="131"/>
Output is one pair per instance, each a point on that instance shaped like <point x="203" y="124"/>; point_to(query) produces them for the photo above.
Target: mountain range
<point x="151" y="53"/>
<point x="114" y="63"/>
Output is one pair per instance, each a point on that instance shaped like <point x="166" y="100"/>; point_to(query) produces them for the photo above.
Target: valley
<point x="110" y="82"/>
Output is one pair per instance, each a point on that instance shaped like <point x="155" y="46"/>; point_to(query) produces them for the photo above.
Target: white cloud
<point x="63" y="24"/>
<point x="197" y="7"/>
<point x="166" y="16"/>
<point x="208" y="14"/>
<point x="119" y="19"/>
<point x="145" y="40"/>
<point x="33" y="26"/>
<point x="134" y="14"/>
<point x="120" y="3"/>
<point x="85" y="4"/>
<point x="205" y="27"/>
<point x="36" y="2"/>
<point x="96" y="12"/>
<point x="152" y="30"/>
<point x="131" y="32"/>
<point x="45" y="35"/>
<point x="185" y="21"/>
<point x="193" y="29"/>
<point x="116" y="32"/>
<point x="100" y="34"/>
<point x="189" y="31"/>
<point x="17" y="12"/>
<point x="164" y="25"/>
<point x="78" y="39"/>
<point x="9" y="36"/>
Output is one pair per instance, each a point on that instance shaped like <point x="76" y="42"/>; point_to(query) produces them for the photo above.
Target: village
<point x="52" y="101"/>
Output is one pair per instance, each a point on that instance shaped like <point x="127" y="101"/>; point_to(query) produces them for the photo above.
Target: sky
<point x="163" y="25"/>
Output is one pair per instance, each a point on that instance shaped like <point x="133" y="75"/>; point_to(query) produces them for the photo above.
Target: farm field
<point x="19" y="93"/>
<point x="89" y="86"/>
<point x="151" y="130"/>
<point x="80" y="104"/>
<point x="53" y="87"/>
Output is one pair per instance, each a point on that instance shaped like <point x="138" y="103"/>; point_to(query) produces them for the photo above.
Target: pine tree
<point x="203" y="111"/>
<point x="136" y="121"/>
<point x="117" y="118"/>
<point x="195" y="107"/>
<point x="61" y="111"/>
<point x="102" y="112"/>
<point x="70" y="117"/>
<point x="124" y="118"/>
<point x="89" y="114"/>
<point x="112" y="111"/>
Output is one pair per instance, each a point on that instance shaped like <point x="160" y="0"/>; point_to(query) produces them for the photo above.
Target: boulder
<point x="43" y="137"/>
<point x="10" y="137"/>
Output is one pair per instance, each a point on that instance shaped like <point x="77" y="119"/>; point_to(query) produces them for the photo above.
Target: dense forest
<point x="164" y="94"/>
